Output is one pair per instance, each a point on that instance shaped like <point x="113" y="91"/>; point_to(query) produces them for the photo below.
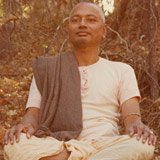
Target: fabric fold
<point x="58" y="81"/>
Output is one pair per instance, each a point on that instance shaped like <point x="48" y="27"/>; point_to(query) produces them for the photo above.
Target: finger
<point x="30" y="132"/>
<point x="5" y="138"/>
<point x="154" y="141"/>
<point x="17" y="136"/>
<point x="139" y="131"/>
<point x="19" y="129"/>
<point x="11" y="135"/>
<point x="25" y="129"/>
<point x="146" y="135"/>
<point x="151" y="138"/>
<point x="131" y="131"/>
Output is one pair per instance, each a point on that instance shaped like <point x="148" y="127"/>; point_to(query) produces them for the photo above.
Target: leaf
<point x="2" y="102"/>
<point x="1" y="92"/>
<point x="12" y="112"/>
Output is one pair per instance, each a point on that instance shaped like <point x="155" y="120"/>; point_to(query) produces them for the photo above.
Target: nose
<point x="82" y="23"/>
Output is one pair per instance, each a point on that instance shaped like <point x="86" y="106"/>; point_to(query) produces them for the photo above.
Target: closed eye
<point x="74" y="20"/>
<point x="92" y="20"/>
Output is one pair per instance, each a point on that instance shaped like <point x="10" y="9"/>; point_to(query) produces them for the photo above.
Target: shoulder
<point x="117" y="66"/>
<point x="43" y="60"/>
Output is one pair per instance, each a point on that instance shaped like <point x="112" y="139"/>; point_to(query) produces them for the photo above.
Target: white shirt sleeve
<point x="128" y="86"/>
<point x="34" y="98"/>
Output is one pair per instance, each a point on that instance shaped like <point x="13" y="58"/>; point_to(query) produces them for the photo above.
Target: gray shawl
<point x="58" y="81"/>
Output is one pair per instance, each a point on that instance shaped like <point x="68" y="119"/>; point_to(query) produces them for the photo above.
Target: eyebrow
<point x="88" y="15"/>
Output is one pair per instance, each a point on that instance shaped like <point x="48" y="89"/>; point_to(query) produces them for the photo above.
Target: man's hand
<point x="13" y="134"/>
<point x="137" y="127"/>
<point x="133" y="123"/>
<point x="28" y="125"/>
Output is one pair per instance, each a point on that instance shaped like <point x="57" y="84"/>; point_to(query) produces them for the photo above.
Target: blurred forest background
<point x="31" y="28"/>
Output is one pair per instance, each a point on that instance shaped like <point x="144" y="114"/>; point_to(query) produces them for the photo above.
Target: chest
<point x="100" y="85"/>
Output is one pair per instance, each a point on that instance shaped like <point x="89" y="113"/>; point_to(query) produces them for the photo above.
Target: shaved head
<point x="86" y="25"/>
<point x="91" y="4"/>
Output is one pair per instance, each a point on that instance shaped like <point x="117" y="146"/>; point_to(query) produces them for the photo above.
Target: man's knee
<point x="33" y="148"/>
<point x="141" y="150"/>
<point x="11" y="150"/>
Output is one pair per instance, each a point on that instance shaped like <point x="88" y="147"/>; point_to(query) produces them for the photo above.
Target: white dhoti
<point x="111" y="148"/>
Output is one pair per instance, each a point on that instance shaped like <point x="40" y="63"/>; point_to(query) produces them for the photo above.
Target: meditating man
<point x="75" y="101"/>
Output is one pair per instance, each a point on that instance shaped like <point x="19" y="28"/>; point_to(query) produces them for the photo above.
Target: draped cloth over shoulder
<point x="58" y="81"/>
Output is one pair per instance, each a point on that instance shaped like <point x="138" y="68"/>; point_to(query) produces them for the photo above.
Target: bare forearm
<point x="31" y="117"/>
<point x="27" y="125"/>
<point x="133" y="123"/>
<point x="131" y="111"/>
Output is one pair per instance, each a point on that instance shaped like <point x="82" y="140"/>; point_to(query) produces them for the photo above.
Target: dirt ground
<point x="15" y="79"/>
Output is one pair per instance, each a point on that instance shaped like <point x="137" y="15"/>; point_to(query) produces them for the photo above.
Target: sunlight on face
<point x="86" y="25"/>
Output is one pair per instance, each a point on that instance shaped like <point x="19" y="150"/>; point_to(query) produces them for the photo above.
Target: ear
<point x="104" y="31"/>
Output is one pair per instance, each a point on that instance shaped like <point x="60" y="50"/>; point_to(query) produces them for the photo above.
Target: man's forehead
<point x="89" y="8"/>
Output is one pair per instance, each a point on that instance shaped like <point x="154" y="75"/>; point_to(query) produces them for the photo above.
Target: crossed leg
<point x="48" y="149"/>
<point x="122" y="148"/>
<point x="111" y="148"/>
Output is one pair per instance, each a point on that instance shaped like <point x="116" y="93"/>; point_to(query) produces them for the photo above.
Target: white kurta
<point x="105" y="86"/>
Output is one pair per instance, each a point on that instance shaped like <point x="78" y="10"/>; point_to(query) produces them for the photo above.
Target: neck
<point x="86" y="56"/>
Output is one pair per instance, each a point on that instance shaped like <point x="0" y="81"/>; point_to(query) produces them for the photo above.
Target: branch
<point x="152" y="78"/>
<point x="63" y="45"/>
<point x="156" y="23"/>
<point x="65" y="19"/>
<point x="140" y="6"/>
<point x="121" y="39"/>
<point x="55" y="35"/>
<point x="53" y="39"/>
<point x="9" y="19"/>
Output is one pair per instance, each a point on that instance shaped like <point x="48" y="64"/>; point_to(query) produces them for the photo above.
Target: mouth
<point x="82" y="33"/>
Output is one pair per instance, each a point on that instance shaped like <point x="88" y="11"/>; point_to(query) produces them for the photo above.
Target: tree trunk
<point x="153" y="55"/>
<point x="154" y="87"/>
<point x="119" y="15"/>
